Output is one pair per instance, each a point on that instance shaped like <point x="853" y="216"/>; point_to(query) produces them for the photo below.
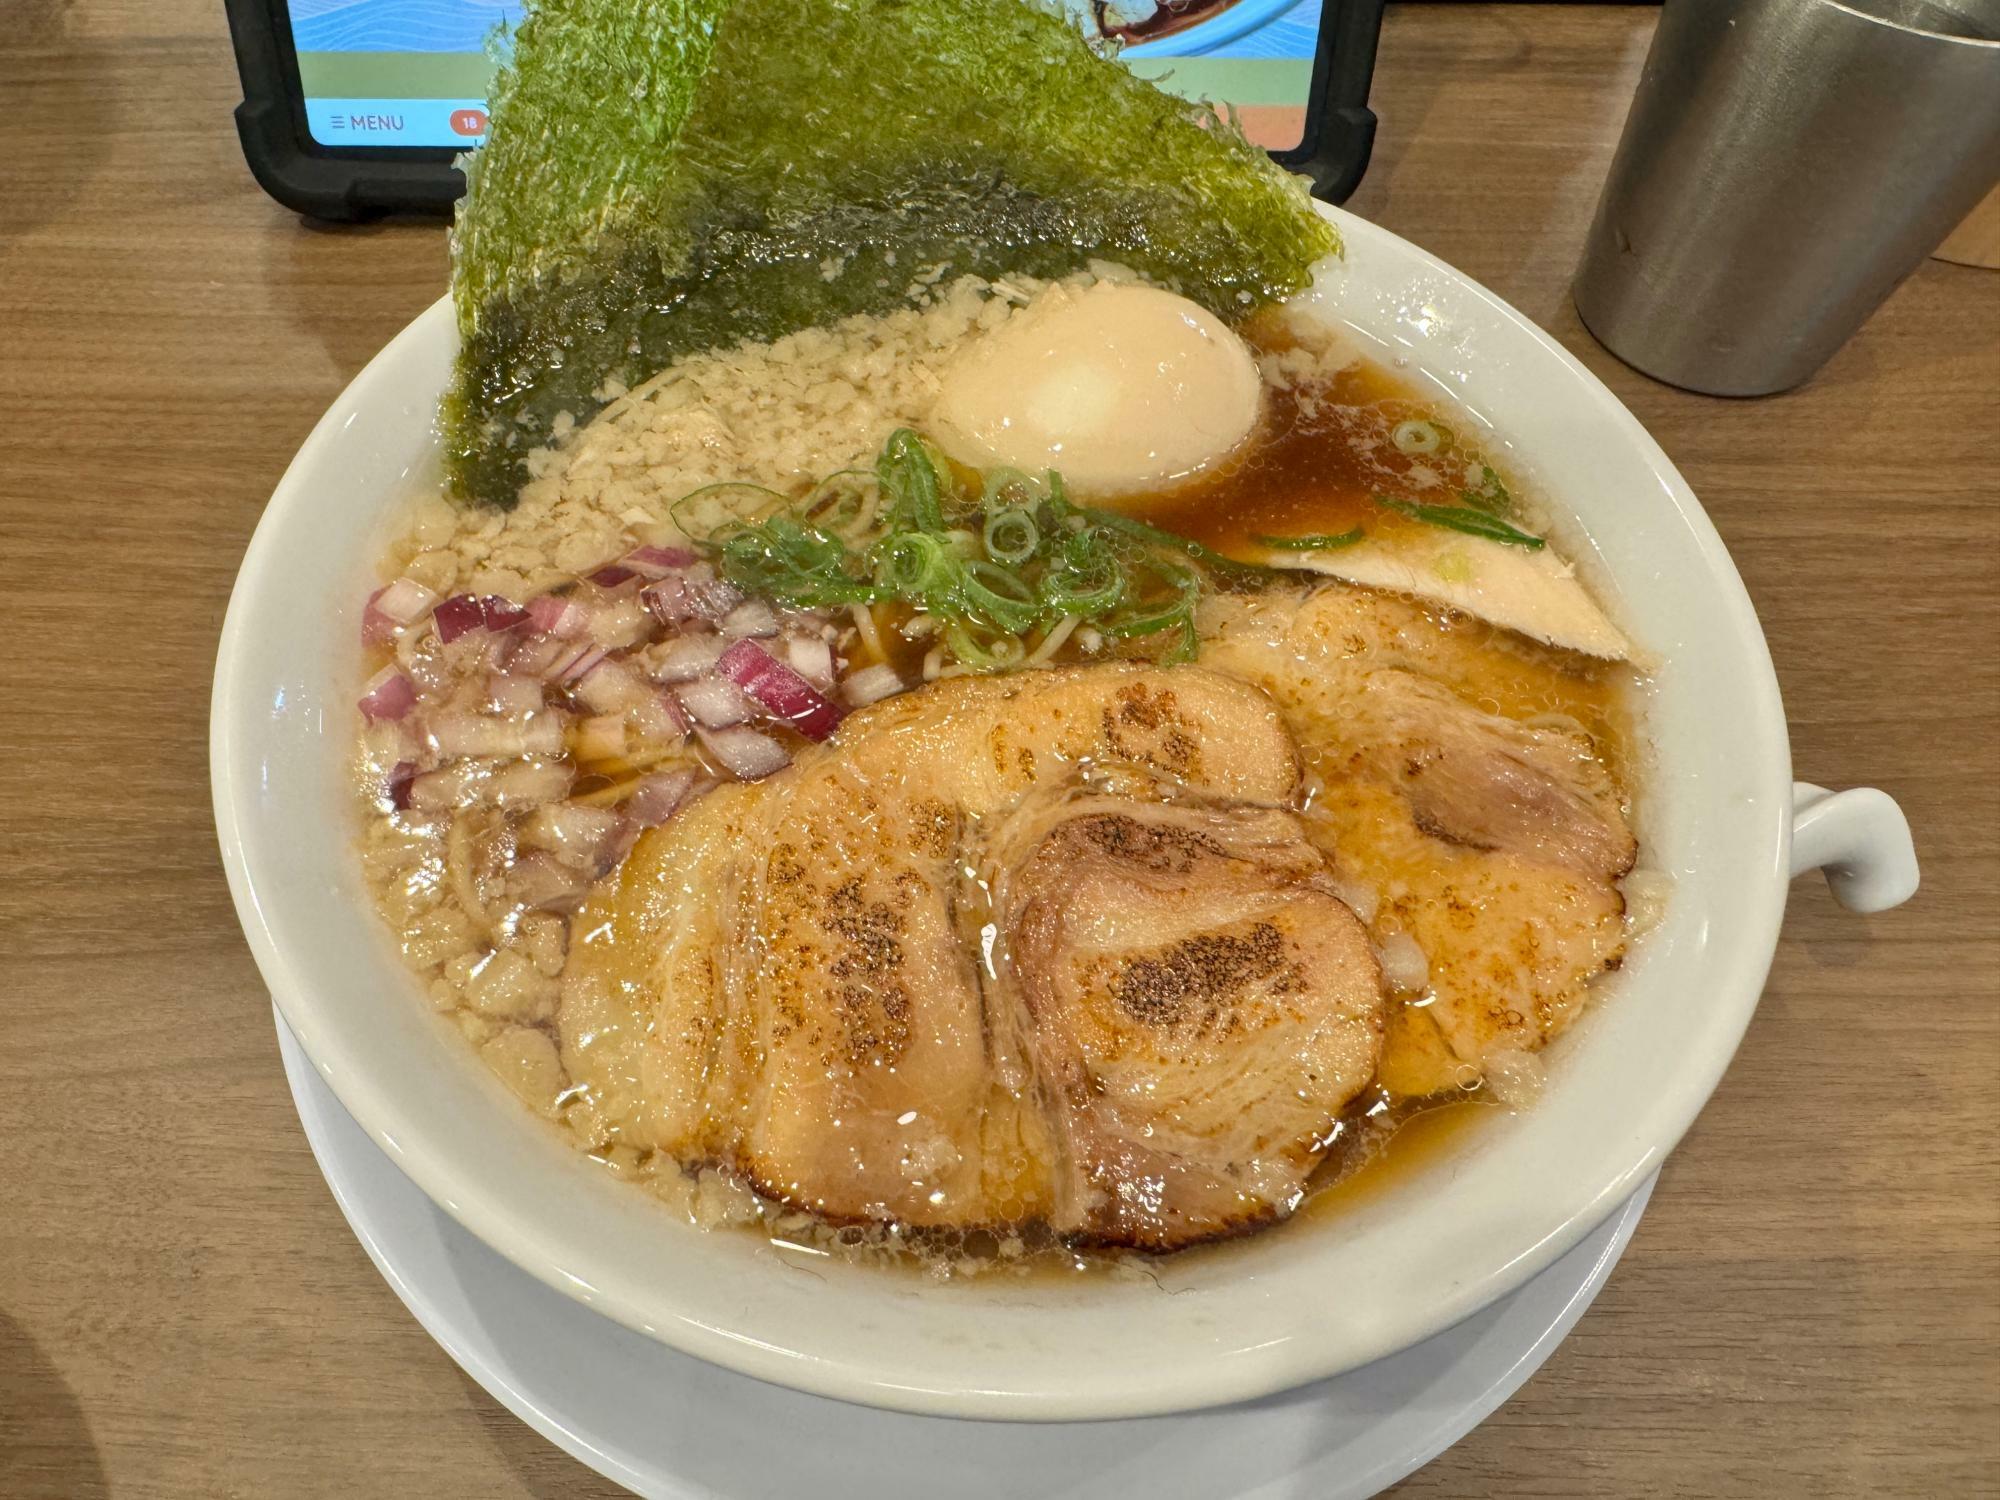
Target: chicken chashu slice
<point x="1496" y="845"/>
<point x="812" y="979"/>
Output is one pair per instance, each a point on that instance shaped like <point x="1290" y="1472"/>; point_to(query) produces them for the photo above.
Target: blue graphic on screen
<point x="398" y="25"/>
<point x="397" y="72"/>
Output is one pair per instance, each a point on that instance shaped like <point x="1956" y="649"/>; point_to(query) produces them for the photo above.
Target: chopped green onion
<point x="1011" y="535"/>
<point x="1463" y="518"/>
<point x="910" y="480"/>
<point x="1208" y="557"/>
<point x="999" y="595"/>
<point x="845" y="503"/>
<point x="915" y="565"/>
<point x="991" y="654"/>
<point x="1084" y="576"/>
<point x="995" y="563"/>
<point x="1004" y="487"/>
<point x="1177" y="615"/>
<point x="1490" y="494"/>
<point x="1321" y="542"/>
<point x="1417" y="437"/>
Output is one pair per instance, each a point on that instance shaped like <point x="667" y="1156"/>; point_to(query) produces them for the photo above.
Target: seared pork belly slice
<point x="1497" y="846"/>
<point x="805" y="978"/>
<point x="650" y="1023"/>
<point x="1487" y="782"/>
<point x="873" y="1095"/>
<point x="1511" y="941"/>
<point x="1198" y="1004"/>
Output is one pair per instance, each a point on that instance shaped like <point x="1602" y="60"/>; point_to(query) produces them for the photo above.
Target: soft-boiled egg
<point x="1120" y="388"/>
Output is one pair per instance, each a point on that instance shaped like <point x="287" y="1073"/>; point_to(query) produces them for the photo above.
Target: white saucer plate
<point x="671" y="1427"/>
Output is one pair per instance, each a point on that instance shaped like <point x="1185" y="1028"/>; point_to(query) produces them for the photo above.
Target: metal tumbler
<point x="1785" y="164"/>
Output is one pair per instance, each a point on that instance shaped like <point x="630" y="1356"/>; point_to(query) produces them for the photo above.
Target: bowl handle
<point x="1860" y="838"/>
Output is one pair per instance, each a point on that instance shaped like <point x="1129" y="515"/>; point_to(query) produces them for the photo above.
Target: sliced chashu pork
<point x="1485" y="782"/>
<point x="1497" y="846"/>
<point x="940" y="972"/>
<point x="1196" y="998"/>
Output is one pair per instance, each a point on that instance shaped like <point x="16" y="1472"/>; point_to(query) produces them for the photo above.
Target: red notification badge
<point x="469" y="121"/>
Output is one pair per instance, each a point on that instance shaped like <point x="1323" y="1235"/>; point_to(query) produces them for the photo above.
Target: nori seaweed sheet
<point x="665" y="176"/>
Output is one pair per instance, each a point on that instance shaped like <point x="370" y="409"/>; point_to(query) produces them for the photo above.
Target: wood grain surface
<point x="1812" y="1304"/>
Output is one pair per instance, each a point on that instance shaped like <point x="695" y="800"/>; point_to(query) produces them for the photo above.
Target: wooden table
<point x="1812" y="1305"/>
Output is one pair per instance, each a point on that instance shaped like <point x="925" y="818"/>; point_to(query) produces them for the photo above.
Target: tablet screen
<point x="1254" y="54"/>
<point x="396" y="72"/>
<point x="414" y="72"/>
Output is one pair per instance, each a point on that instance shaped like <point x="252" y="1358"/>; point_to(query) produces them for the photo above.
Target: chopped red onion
<point x="467" y="657"/>
<point x="871" y="685"/>
<point x="657" y="562"/>
<point x="613" y="687"/>
<point x="387" y="741"/>
<point x="696" y="594"/>
<point x="611" y="575"/>
<point x="579" y="661"/>
<point x="405" y="601"/>
<point x="657" y="797"/>
<point x="670" y="600"/>
<point x="782" y="691"/>
<point x="457" y="616"/>
<point x="448" y="787"/>
<point x="753" y="617"/>
<point x="511" y="693"/>
<point x="601" y="737"/>
<point x="472" y="783"/>
<point x="463" y="613"/>
<point x="532" y="655"/>
<point x="389" y="695"/>
<point x="687" y="657"/>
<point x="715" y="702"/>
<point x="718" y="595"/>
<point x="498" y="649"/>
<point x="622" y="622"/>
<point x="423" y="661"/>
<point x="744" y="752"/>
<point x="502" y="614"/>
<point x="393" y="606"/>
<point x="806" y="620"/>
<point x="659" y="719"/>
<point x="397" y="786"/>
<point x="528" y="783"/>
<point x="811" y="658"/>
<point x="377" y="629"/>
<point x="538" y="879"/>
<point x="614" y="850"/>
<point x="551" y="614"/>
<point x="575" y="833"/>
<point x="459" y="735"/>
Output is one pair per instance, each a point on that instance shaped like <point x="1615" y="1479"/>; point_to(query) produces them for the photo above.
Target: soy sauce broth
<point x="1325" y="446"/>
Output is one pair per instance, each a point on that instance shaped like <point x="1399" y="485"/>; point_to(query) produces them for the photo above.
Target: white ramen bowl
<point x="1312" y="1299"/>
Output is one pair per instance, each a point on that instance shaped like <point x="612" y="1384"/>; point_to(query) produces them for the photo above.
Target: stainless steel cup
<point x="1785" y="164"/>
